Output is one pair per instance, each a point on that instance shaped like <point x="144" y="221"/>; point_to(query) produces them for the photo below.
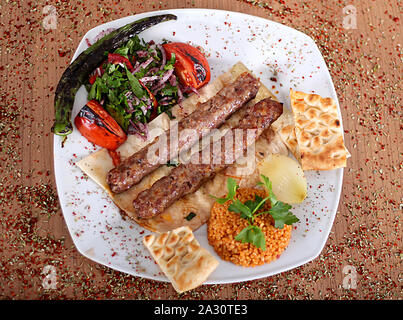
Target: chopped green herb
<point x="249" y="210"/>
<point x="231" y="186"/>
<point x="135" y="85"/>
<point x="281" y="215"/>
<point x="123" y="93"/>
<point x="172" y="163"/>
<point x="124" y="51"/>
<point x="254" y="235"/>
<point x="190" y="216"/>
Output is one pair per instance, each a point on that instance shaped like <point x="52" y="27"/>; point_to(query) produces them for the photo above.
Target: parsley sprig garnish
<point x="280" y="212"/>
<point x="232" y="187"/>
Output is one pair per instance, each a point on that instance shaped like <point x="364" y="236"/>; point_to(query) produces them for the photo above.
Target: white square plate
<point x="270" y="50"/>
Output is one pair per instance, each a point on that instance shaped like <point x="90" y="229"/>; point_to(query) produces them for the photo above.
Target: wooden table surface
<point x="365" y="61"/>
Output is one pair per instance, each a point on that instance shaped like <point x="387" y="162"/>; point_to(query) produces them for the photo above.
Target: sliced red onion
<point x="164" y="56"/>
<point x="138" y="128"/>
<point x="142" y="53"/>
<point x="143" y="65"/>
<point x="165" y="101"/>
<point x="188" y="89"/>
<point x="161" y="83"/>
<point x="167" y="75"/>
<point x="149" y="79"/>
<point x="147" y="62"/>
<point x="152" y="71"/>
<point x="146" y="100"/>
<point x="172" y="80"/>
<point x="165" y="98"/>
<point x="131" y="99"/>
<point x="136" y="65"/>
<point x="193" y="89"/>
<point x="153" y="51"/>
<point x="157" y="87"/>
<point x="129" y="110"/>
<point x="144" y="109"/>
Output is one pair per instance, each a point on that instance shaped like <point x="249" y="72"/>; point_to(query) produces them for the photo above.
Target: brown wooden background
<point x="366" y="66"/>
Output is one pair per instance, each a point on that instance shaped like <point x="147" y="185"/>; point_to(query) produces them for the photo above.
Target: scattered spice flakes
<point x="366" y="232"/>
<point x="367" y="87"/>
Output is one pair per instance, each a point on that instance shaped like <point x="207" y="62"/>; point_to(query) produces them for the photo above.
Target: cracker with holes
<point x="318" y="132"/>
<point x="180" y="256"/>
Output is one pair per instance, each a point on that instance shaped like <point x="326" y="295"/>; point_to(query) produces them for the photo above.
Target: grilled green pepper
<point x="77" y="73"/>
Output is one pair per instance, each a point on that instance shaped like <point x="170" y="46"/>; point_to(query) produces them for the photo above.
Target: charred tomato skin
<point x="191" y="66"/>
<point x="98" y="127"/>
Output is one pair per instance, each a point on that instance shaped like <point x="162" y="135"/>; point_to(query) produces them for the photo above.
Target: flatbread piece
<point x="318" y="132"/>
<point x="180" y="256"/>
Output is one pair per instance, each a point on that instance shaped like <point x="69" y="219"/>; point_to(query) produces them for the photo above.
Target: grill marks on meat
<point x="187" y="178"/>
<point x="208" y="115"/>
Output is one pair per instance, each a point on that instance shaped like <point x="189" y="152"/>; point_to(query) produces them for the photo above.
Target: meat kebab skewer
<point x="208" y="115"/>
<point x="187" y="178"/>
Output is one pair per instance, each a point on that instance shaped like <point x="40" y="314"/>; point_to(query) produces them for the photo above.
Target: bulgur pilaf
<point x="223" y="226"/>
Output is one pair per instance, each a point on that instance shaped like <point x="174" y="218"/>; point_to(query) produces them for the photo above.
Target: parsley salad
<point x="135" y="84"/>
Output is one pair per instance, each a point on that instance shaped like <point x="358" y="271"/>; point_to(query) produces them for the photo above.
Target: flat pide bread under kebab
<point x="192" y="210"/>
<point x="286" y="130"/>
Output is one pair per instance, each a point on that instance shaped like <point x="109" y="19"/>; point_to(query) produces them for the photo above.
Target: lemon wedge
<point x="288" y="180"/>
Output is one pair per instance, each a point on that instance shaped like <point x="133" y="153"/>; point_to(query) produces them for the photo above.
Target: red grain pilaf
<point x="223" y="226"/>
